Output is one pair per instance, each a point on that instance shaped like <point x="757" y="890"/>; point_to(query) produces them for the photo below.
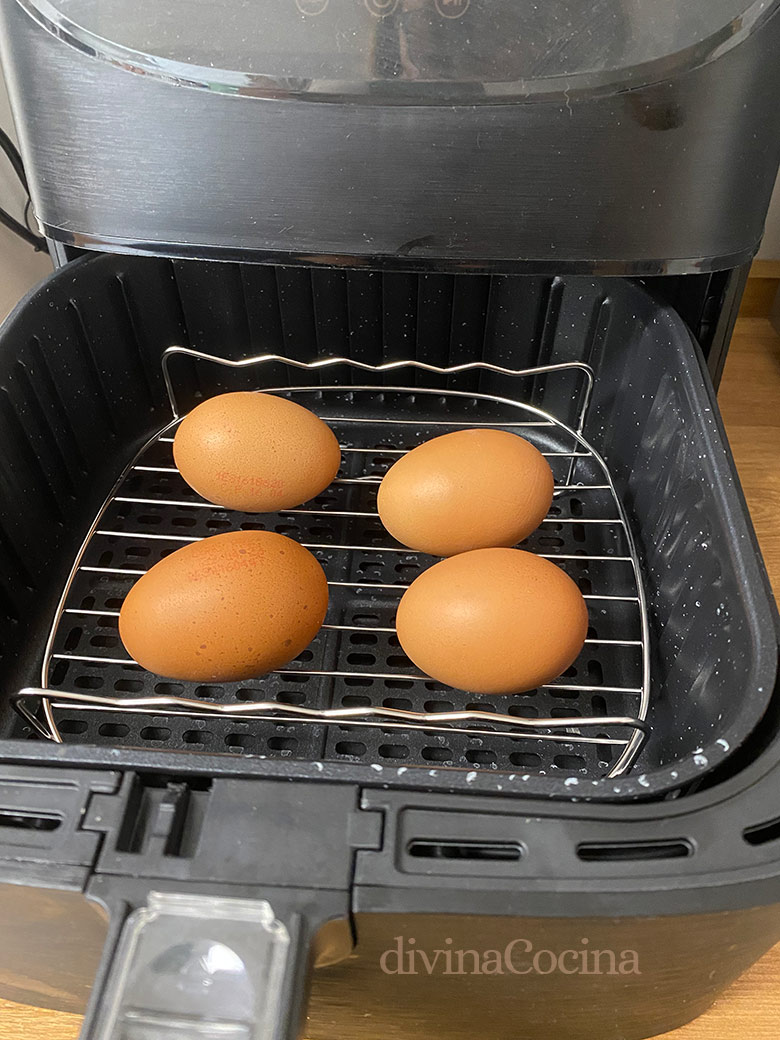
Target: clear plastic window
<point x="423" y="48"/>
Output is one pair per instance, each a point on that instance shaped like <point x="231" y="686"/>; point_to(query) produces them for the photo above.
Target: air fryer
<point x="412" y="218"/>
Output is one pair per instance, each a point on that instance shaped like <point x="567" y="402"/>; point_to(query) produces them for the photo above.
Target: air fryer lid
<point x="484" y="47"/>
<point x="615" y="136"/>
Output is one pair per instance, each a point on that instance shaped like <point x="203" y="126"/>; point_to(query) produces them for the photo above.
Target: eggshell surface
<point x="466" y="490"/>
<point x="226" y="608"/>
<point x="493" y="621"/>
<point x="255" y="452"/>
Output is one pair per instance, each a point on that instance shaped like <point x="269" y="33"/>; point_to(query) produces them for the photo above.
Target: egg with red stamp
<point x="224" y="609"/>
<point x="255" y="452"/>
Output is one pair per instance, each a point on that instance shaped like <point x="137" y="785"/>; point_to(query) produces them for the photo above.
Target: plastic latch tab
<point x="197" y="968"/>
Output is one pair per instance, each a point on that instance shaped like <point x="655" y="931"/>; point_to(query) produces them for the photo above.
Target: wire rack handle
<point x="389" y="366"/>
<point x="426" y="720"/>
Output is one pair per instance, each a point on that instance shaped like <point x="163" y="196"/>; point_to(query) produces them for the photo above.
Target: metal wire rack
<point x="354" y="680"/>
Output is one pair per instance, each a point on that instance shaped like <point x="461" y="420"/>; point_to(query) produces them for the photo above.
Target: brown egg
<point x="226" y="608"/>
<point x="493" y="621"/>
<point x="466" y="490"/>
<point x="255" y="452"/>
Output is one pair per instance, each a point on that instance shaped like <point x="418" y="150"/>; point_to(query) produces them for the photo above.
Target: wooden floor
<point x="750" y="402"/>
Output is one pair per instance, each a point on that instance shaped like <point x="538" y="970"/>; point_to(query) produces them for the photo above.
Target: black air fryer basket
<point x="410" y="218"/>
<point x="646" y="519"/>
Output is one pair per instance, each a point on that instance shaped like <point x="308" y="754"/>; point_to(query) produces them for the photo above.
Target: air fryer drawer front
<point x="230" y="892"/>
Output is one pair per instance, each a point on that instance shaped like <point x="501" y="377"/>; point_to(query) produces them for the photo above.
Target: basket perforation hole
<point x="196" y="736"/>
<point x="155" y="733"/>
<point x="150" y="519"/>
<point x="216" y="523"/>
<point x="437" y="754"/>
<point x="210" y="693"/>
<point x="401" y="684"/>
<point x="58" y="673"/>
<point x="578" y="532"/>
<point x="355" y="700"/>
<point x="438" y="706"/>
<point x="184" y="521"/>
<point x="399" y="661"/>
<point x="138" y="552"/>
<point x="73" y="637"/>
<point x="605" y="751"/>
<point x="480" y="756"/>
<point x="128" y="685"/>
<point x="523" y="711"/>
<point x="569" y="762"/>
<point x="366" y="619"/>
<point x="575" y="504"/>
<point x="288" y="529"/>
<point x="73" y="726"/>
<point x="406" y="569"/>
<point x="104" y="641"/>
<point x="548" y="541"/>
<point x="88" y="682"/>
<point x="290" y="697"/>
<point x="350" y="748"/>
<point x="363" y="639"/>
<point x="113" y="729"/>
<point x="358" y="680"/>
<point x="399" y="703"/>
<point x="528" y="759"/>
<point x="241" y="741"/>
<point x="397" y="751"/>
<point x="557" y="691"/>
<point x="598" y="704"/>
<point x="361" y="659"/>
<point x="105" y="558"/>
<point x="169" y="689"/>
<point x="286" y="745"/>
<point x="595" y="673"/>
<point x="585" y="585"/>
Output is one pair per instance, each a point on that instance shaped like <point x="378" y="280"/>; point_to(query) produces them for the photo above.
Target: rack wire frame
<point x="37" y="705"/>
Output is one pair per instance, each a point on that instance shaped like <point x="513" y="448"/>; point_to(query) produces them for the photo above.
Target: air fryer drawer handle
<point x="186" y="966"/>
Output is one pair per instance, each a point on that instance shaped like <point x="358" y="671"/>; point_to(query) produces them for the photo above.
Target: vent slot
<point x="625" y="851"/>
<point x="494" y="851"/>
<point x="762" y="833"/>
<point x="29" y="821"/>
